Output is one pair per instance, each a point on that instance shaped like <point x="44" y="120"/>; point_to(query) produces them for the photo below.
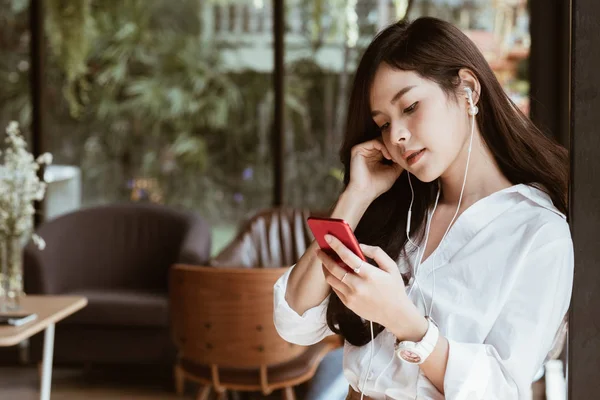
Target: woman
<point x="467" y="290"/>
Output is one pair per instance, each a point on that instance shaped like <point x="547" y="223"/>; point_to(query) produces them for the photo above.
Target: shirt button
<point x="371" y="375"/>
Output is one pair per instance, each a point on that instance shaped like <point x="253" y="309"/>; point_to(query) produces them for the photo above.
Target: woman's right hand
<point x="369" y="176"/>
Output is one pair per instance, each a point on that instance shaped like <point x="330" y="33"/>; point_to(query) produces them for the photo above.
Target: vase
<point x="11" y="280"/>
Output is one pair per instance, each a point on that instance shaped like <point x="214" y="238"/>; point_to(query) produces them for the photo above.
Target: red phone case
<point x="339" y="229"/>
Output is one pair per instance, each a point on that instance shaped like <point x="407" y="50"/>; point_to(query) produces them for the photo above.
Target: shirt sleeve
<point x="504" y="366"/>
<point x="306" y="329"/>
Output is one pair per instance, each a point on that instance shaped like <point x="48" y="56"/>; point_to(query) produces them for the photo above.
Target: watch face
<point x="410" y="356"/>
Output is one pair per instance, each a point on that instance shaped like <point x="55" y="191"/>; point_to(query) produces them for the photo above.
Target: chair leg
<point x="179" y="378"/>
<point x="288" y="393"/>
<point x="203" y="393"/>
<point x="222" y="395"/>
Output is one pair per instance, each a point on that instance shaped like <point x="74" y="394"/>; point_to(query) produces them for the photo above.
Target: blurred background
<point x="172" y="102"/>
<point x="230" y="111"/>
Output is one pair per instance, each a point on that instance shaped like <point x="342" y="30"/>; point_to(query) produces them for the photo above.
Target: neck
<point x="484" y="176"/>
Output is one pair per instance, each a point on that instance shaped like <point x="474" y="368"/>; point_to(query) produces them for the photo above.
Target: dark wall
<point x="549" y="66"/>
<point x="584" y="337"/>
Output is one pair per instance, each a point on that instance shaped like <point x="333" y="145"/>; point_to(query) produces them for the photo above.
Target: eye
<point x="384" y="127"/>
<point x="411" y="108"/>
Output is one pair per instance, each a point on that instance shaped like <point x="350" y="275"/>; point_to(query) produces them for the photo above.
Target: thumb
<point x="384" y="261"/>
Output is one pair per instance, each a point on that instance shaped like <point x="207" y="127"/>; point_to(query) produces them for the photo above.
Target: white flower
<point x="29" y="209"/>
<point x="41" y="190"/>
<point x="38" y="241"/>
<point x="45" y="158"/>
<point x="13" y="128"/>
<point x="20" y="185"/>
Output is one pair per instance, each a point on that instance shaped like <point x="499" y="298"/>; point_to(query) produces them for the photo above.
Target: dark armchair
<point x="118" y="256"/>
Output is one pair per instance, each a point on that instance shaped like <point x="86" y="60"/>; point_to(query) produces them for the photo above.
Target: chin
<point x="427" y="169"/>
<point x="425" y="175"/>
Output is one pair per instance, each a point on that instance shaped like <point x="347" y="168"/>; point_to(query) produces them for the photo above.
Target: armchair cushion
<point x="126" y="308"/>
<point x="118" y="246"/>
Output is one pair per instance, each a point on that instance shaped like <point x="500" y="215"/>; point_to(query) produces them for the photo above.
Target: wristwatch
<point x="417" y="352"/>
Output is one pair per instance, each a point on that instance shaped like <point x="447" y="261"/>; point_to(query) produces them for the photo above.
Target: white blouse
<point x="503" y="282"/>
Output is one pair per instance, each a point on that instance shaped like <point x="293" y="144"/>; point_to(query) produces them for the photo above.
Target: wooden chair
<point x="222" y="325"/>
<point x="271" y="238"/>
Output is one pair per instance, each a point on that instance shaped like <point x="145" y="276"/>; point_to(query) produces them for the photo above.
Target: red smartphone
<point x="339" y="229"/>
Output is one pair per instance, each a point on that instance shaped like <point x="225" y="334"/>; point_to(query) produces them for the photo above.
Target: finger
<point x="337" y="285"/>
<point x="377" y="144"/>
<point x="327" y="272"/>
<point x="384" y="261"/>
<point x="342" y="297"/>
<point x="369" y="146"/>
<point x="381" y="147"/>
<point x="346" y="255"/>
<point x="334" y="270"/>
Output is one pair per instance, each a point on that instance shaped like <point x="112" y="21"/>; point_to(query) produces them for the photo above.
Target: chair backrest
<point x="115" y="246"/>
<point x="272" y="238"/>
<point x="224" y="317"/>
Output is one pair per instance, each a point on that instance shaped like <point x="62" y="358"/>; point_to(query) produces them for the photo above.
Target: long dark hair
<point x="437" y="50"/>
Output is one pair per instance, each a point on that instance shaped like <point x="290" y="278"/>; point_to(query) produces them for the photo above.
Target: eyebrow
<point x="396" y="97"/>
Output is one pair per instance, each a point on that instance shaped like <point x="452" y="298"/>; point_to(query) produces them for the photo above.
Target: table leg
<point x="47" y="362"/>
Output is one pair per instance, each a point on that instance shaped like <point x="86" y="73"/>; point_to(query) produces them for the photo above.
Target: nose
<point x="399" y="134"/>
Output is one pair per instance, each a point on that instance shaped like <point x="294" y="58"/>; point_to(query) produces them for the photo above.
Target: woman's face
<point x="423" y="129"/>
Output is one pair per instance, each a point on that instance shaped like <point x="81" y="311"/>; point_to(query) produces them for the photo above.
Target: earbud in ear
<point x="473" y="109"/>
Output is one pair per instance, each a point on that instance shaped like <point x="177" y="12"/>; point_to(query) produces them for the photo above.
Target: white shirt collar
<point x="483" y="212"/>
<point x="538" y="196"/>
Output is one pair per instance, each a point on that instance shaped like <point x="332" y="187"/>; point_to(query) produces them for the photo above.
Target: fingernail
<point x="328" y="238"/>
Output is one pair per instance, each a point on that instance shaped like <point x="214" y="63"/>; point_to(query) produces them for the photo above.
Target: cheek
<point x="427" y="132"/>
<point x="439" y="136"/>
<point x="437" y="130"/>
<point x="449" y="142"/>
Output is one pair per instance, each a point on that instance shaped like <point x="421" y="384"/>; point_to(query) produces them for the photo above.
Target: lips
<point x="414" y="157"/>
<point x="412" y="154"/>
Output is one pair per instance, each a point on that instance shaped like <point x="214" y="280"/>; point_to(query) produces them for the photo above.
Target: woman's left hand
<point x="375" y="294"/>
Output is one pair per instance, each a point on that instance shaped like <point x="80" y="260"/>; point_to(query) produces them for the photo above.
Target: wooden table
<point x="49" y="310"/>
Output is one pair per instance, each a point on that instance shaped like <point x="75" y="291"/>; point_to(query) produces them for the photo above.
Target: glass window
<point x="500" y="28"/>
<point x="323" y="43"/>
<point x="163" y="102"/>
<point x="15" y="96"/>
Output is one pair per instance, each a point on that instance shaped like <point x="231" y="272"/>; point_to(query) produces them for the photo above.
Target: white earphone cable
<point x="457" y="208"/>
<point x="472" y="112"/>
<point x="362" y="392"/>
<point x="420" y="253"/>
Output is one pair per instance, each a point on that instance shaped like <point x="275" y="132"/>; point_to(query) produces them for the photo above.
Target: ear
<point x="468" y="78"/>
